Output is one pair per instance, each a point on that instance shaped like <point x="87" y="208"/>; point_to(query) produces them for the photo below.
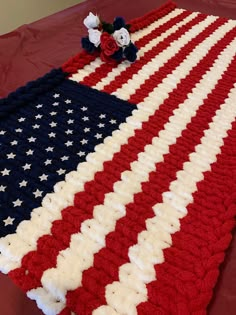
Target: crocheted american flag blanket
<point x="117" y="182"/>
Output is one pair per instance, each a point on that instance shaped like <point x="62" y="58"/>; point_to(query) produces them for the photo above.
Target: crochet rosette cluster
<point x="143" y="217"/>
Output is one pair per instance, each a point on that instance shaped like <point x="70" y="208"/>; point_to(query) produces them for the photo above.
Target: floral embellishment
<point x="91" y="21"/>
<point x="87" y="45"/>
<point x="122" y="37"/>
<point x="112" y="41"/>
<point x="130" y="52"/>
<point x="118" y="23"/>
<point x="95" y="37"/>
<point x="108" y="44"/>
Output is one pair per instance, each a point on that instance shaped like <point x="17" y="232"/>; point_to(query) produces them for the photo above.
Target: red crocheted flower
<point x="108" y="44"/>
<point x="107" y="59"/>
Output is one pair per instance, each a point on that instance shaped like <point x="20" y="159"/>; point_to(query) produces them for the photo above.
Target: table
<point x="32" y="50"/>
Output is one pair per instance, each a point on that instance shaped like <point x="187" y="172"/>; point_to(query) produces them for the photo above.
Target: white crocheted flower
<point x="94" y="37"/>
<point x="91" y="21"/>
<point x="122" y="37"/>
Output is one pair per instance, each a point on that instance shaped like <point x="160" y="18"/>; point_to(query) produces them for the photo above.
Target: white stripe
<point x="84" y="245"/>
<point x="122" y="67"/>
<point x="156" y="63"/>
<point x="88" y="69"/>
<point x="134" y="276"/>
<point x="6" y="264"/>
<point x="46" y="302"/>
<point x="79" y="256"/>
<point x="163" y="90"/>
<point x="16" y="245"/>
<point x="53" y="203"/>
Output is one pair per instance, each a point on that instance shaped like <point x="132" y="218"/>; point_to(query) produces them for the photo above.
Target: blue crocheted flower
<point x="118" y="23"/>
<point x="87" y="45"/>
<point x="118" y="55"/>
<point x="130" y="52"/>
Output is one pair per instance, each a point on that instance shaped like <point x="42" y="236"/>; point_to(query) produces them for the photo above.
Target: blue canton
<point x="44" y="139"/>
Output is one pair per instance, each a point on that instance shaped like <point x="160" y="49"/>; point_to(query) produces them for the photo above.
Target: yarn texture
<point x="118" y="181"/>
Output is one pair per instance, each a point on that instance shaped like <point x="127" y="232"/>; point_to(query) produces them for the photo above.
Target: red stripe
<point x="78" y="62"/>
<point x="128" y="73"/>
<point x="101" y="72"/>
<point x="159" y="75"/>
<point x="142" y="22"/>
<point x="83" y="58"/>
<point x="49" y="245"/>
<point x="185" y="280"/>
<point x="107" y="261"/>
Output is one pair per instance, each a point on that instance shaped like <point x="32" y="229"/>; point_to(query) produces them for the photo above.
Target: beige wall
<point x="14" y="13"/>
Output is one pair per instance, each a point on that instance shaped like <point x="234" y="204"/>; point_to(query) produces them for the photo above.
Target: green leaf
<point x="128" y="26"/>
<point x="107" y="27"/>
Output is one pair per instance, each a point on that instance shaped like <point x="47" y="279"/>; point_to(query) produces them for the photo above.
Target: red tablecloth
<point x="33" y="49"/>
